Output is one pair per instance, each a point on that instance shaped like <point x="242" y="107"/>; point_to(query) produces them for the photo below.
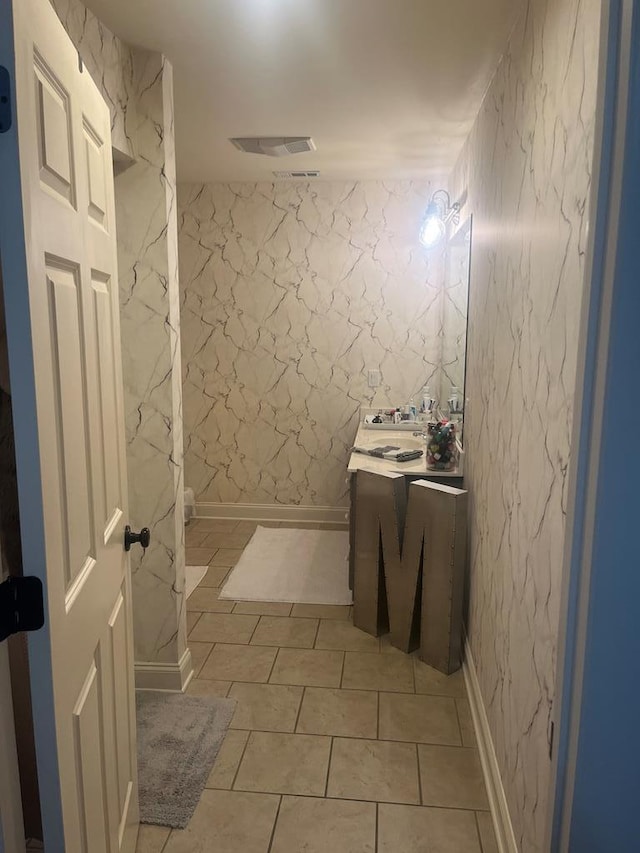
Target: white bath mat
<point x="300" y="566"/>
<point x="192" y="577"/>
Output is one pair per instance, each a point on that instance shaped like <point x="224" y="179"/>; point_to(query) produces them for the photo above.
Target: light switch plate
<point x="374" y="378"/>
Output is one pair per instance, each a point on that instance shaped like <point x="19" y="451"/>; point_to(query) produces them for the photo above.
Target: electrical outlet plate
<point x="374" y="378"/>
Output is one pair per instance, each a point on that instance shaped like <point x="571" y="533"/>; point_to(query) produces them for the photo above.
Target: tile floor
<point x="339" y="743"/>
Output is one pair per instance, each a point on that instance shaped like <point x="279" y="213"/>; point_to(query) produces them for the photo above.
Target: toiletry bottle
<point x="426" y="400"/>
<point x="413" y="412"/>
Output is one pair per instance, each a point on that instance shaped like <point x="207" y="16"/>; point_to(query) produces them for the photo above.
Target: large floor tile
<point x="364" y="671"/>
<point x="199" y="653"/>
<point x="322" y="611"/>
<point x="487" y="832"/>
<point x="228" y="759"/>
<point x="207" y="687"/>
<point x="344" y="713"/>
<point x="215" y="577"/>
<point x="224" y="628"/>
<point x="374" y="770"/>
<point x="265" y="707"/>
<point x="239" y="663"/>
<point x="285" y="631"/>
<point x="415" y="829"/>
<point x="194" y="538"/>
<point x="263" y="608"/>
<point x="466" y="723"/>
<point x="198" y="556"/>
<point x="226" y="540"/>
<point x="249" y="527"/>
<point x="205" y="599"/>
<point x="312" y="667"/>
<point x="340" y="634"/>
<point x="429" y="680"/>
<point x="151" y="839"/>
<point x="284" y="764"/>
<point x="226" y="557"/>
<point x="227" y="822"/>
<point x="324" y="826"/>
<point x="451" y="777"/>
<point x="418" y="719"/>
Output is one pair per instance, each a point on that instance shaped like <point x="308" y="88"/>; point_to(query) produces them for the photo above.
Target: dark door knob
<point x="130" y="538"/>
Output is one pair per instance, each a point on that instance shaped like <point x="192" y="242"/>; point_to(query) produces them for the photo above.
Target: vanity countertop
<point x="376" y="438"/>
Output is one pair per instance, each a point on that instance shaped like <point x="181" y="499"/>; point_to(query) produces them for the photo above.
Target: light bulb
<point x="432" y="231"/>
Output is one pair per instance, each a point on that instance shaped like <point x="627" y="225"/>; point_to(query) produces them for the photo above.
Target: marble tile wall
<point x="290" y="292"/>
<point x="110" y="63"/>
<point x="527" y="170"/>
<point x="138" y="87"/>
<point x="149" y="299"/>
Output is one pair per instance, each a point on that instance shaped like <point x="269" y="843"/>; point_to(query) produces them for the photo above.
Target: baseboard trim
<point x="173" y="677"/>
<point x="505" y="837"/>
<point x="273" y="512"/>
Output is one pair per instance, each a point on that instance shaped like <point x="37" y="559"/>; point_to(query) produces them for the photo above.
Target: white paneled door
<point x="58" y="255"/>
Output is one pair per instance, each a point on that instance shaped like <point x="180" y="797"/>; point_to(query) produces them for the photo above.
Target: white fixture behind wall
<point x="189" y="504"/>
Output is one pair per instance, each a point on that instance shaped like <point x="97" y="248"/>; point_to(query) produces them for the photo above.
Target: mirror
<point x="454" y="323"/>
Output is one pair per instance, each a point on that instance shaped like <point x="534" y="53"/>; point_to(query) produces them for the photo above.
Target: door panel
<point x="89" y="757"/>
<point x="95" y="153"/>
<point x="54" y="131"/>
<point x="69" y="384"/>
<point x="118" y="627"/>
<point x="74" y="485"/>
<point x="107" y="396"/>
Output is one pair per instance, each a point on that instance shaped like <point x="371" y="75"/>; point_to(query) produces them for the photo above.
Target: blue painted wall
<point x="606" y="804"/>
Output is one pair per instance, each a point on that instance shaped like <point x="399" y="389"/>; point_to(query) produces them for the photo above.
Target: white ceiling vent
<point x="297" y="174"/>
<point x="274" y="146"/>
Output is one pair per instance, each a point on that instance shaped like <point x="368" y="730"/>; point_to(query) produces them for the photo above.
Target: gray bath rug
<point x="178" y="739"/>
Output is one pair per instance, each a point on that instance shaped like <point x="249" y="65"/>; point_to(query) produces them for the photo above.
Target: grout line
<point x="356" y="800"/>
<point x="455" y="705"/>
<point x="378" y="715"/>
<point x="244" y="749"/>
<point x="255" y="628"/>
<point x="352" y="737"/>
<point x="195" y="623"/>
<point x="273" y="828"/>
<point x="480" y="844"/>
<point x="295" y="727"/>
<point x="273" y="666"/>
<point x="326" y="781"/>
<point x="315" y="638"/>
<point x="419" y="775"/>
<point x="344" y="658"/>
<point x="202" y="665"/>
<point x="376" y="835"/>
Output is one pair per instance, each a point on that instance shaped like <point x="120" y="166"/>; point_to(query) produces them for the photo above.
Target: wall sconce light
<point x="440" y="212"/>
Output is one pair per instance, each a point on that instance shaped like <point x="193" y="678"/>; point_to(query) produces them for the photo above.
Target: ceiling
<point x="386" y="88"/>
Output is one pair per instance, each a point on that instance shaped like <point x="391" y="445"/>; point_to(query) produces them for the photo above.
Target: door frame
<point x="584" y="650"/>
<point x="23" y="395"/>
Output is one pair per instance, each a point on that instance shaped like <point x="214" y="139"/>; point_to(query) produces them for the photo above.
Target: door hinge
<point x="21" y="606"/>
<point x="5" y="100"/>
